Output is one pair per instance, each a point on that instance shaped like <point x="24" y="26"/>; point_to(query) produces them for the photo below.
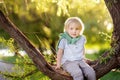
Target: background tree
<point x="34" y="17"/>
<point x="101" y="68"/>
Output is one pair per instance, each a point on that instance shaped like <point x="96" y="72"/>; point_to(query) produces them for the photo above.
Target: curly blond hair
<point x="75" y="20"/>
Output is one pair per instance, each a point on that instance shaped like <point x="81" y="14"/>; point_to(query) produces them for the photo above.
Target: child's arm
<point x="84" y="52"/>
<point x="59" y="56"/>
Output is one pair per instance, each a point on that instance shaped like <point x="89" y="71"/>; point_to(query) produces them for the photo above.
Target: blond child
<point x="70" y="54"/>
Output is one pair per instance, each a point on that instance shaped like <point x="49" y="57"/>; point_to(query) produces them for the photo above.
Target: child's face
<point x="73" y="30"/>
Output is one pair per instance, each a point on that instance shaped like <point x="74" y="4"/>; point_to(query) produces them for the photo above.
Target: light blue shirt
<point x="72" y="52"/>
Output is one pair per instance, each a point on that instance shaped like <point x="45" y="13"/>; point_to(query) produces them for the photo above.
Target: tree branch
<point x="32" y="52"/>
<point x="100" y="68"/>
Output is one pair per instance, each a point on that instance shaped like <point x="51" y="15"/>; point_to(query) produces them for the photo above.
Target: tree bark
<point x="114" y="10"/>
<point x="32" y="52"/>
<point x="36" y="56"/>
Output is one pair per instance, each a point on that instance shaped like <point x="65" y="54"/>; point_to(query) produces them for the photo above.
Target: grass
<point x="113" y="75"/>
<point x="10" y="59"/>
<point x="91" y="56"/>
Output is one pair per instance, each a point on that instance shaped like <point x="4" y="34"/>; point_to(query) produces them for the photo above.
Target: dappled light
<point x="41" y="21"/>
<point x="47" y="17"/>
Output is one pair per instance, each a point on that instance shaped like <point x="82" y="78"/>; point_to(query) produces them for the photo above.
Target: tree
<point x="109" y="60"/>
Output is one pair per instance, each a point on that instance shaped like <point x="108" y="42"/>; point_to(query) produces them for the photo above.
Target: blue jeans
<point x="78" y="69"/>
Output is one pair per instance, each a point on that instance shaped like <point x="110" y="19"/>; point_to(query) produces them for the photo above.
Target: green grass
<point x="10" y="59"/>
<point x="39" y="76"/>
<point x="113" y="75"/>
<point x="27" y="69"/>
<point x="91" y="56"/>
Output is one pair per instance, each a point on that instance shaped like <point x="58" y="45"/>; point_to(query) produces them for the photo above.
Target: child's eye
<point x="71" y="28"/>
<point x="77" y="28"/>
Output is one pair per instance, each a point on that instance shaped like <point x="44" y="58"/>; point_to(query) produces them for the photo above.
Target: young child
<point x="70" y="55"/>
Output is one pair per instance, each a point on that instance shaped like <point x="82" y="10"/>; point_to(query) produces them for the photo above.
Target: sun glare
<point x="96" y="1"/>
<point x="108" y="25"/>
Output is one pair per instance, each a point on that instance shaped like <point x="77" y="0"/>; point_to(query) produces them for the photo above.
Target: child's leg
<point x="87" y="70"/>
<point x="74" y="70"/>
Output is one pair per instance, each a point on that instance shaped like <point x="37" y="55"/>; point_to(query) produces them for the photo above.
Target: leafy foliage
<point x="46" y="18"/>
<point x="42" y="21"/>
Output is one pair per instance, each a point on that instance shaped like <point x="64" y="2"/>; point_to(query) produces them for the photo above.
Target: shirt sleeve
<point x="84" y="39"/>
<point x="61" y="44"/>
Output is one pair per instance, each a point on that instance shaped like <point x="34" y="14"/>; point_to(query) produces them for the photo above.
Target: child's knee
<point x="91" y="74"/>
<point x="77" y="73"/>
<point x="77" y="76"/>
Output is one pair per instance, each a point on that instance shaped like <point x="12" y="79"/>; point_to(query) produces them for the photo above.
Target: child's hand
<point x="57" y="67"/>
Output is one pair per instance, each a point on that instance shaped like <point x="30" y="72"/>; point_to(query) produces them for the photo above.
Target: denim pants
<point x="78" y="69"/>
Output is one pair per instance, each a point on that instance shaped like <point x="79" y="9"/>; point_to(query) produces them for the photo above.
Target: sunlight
<point x="32" y="0"/>
<point x="91" y="51"/>
<point x="7" y="52"/>
<point x="96" y="1"/>
<point x="109" y="25"/>
<point x="62" y="8"/>
<point x="47" y="31"/>
<point x="47" y="52"/>
<point x="1" y="1"/>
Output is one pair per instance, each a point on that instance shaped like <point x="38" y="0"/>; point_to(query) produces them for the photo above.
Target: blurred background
<point x="42" y="21"/>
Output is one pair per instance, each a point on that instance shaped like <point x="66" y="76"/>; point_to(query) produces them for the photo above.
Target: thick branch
<point x="43" y="66"/>
<point x="33" y="53"/>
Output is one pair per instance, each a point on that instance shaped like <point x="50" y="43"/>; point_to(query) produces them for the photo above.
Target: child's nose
<point x="74" y="31"/>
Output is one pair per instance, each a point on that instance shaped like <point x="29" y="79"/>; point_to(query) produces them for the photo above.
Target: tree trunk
<point x="114" y="9"/>
<point x="36" y="56"/>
